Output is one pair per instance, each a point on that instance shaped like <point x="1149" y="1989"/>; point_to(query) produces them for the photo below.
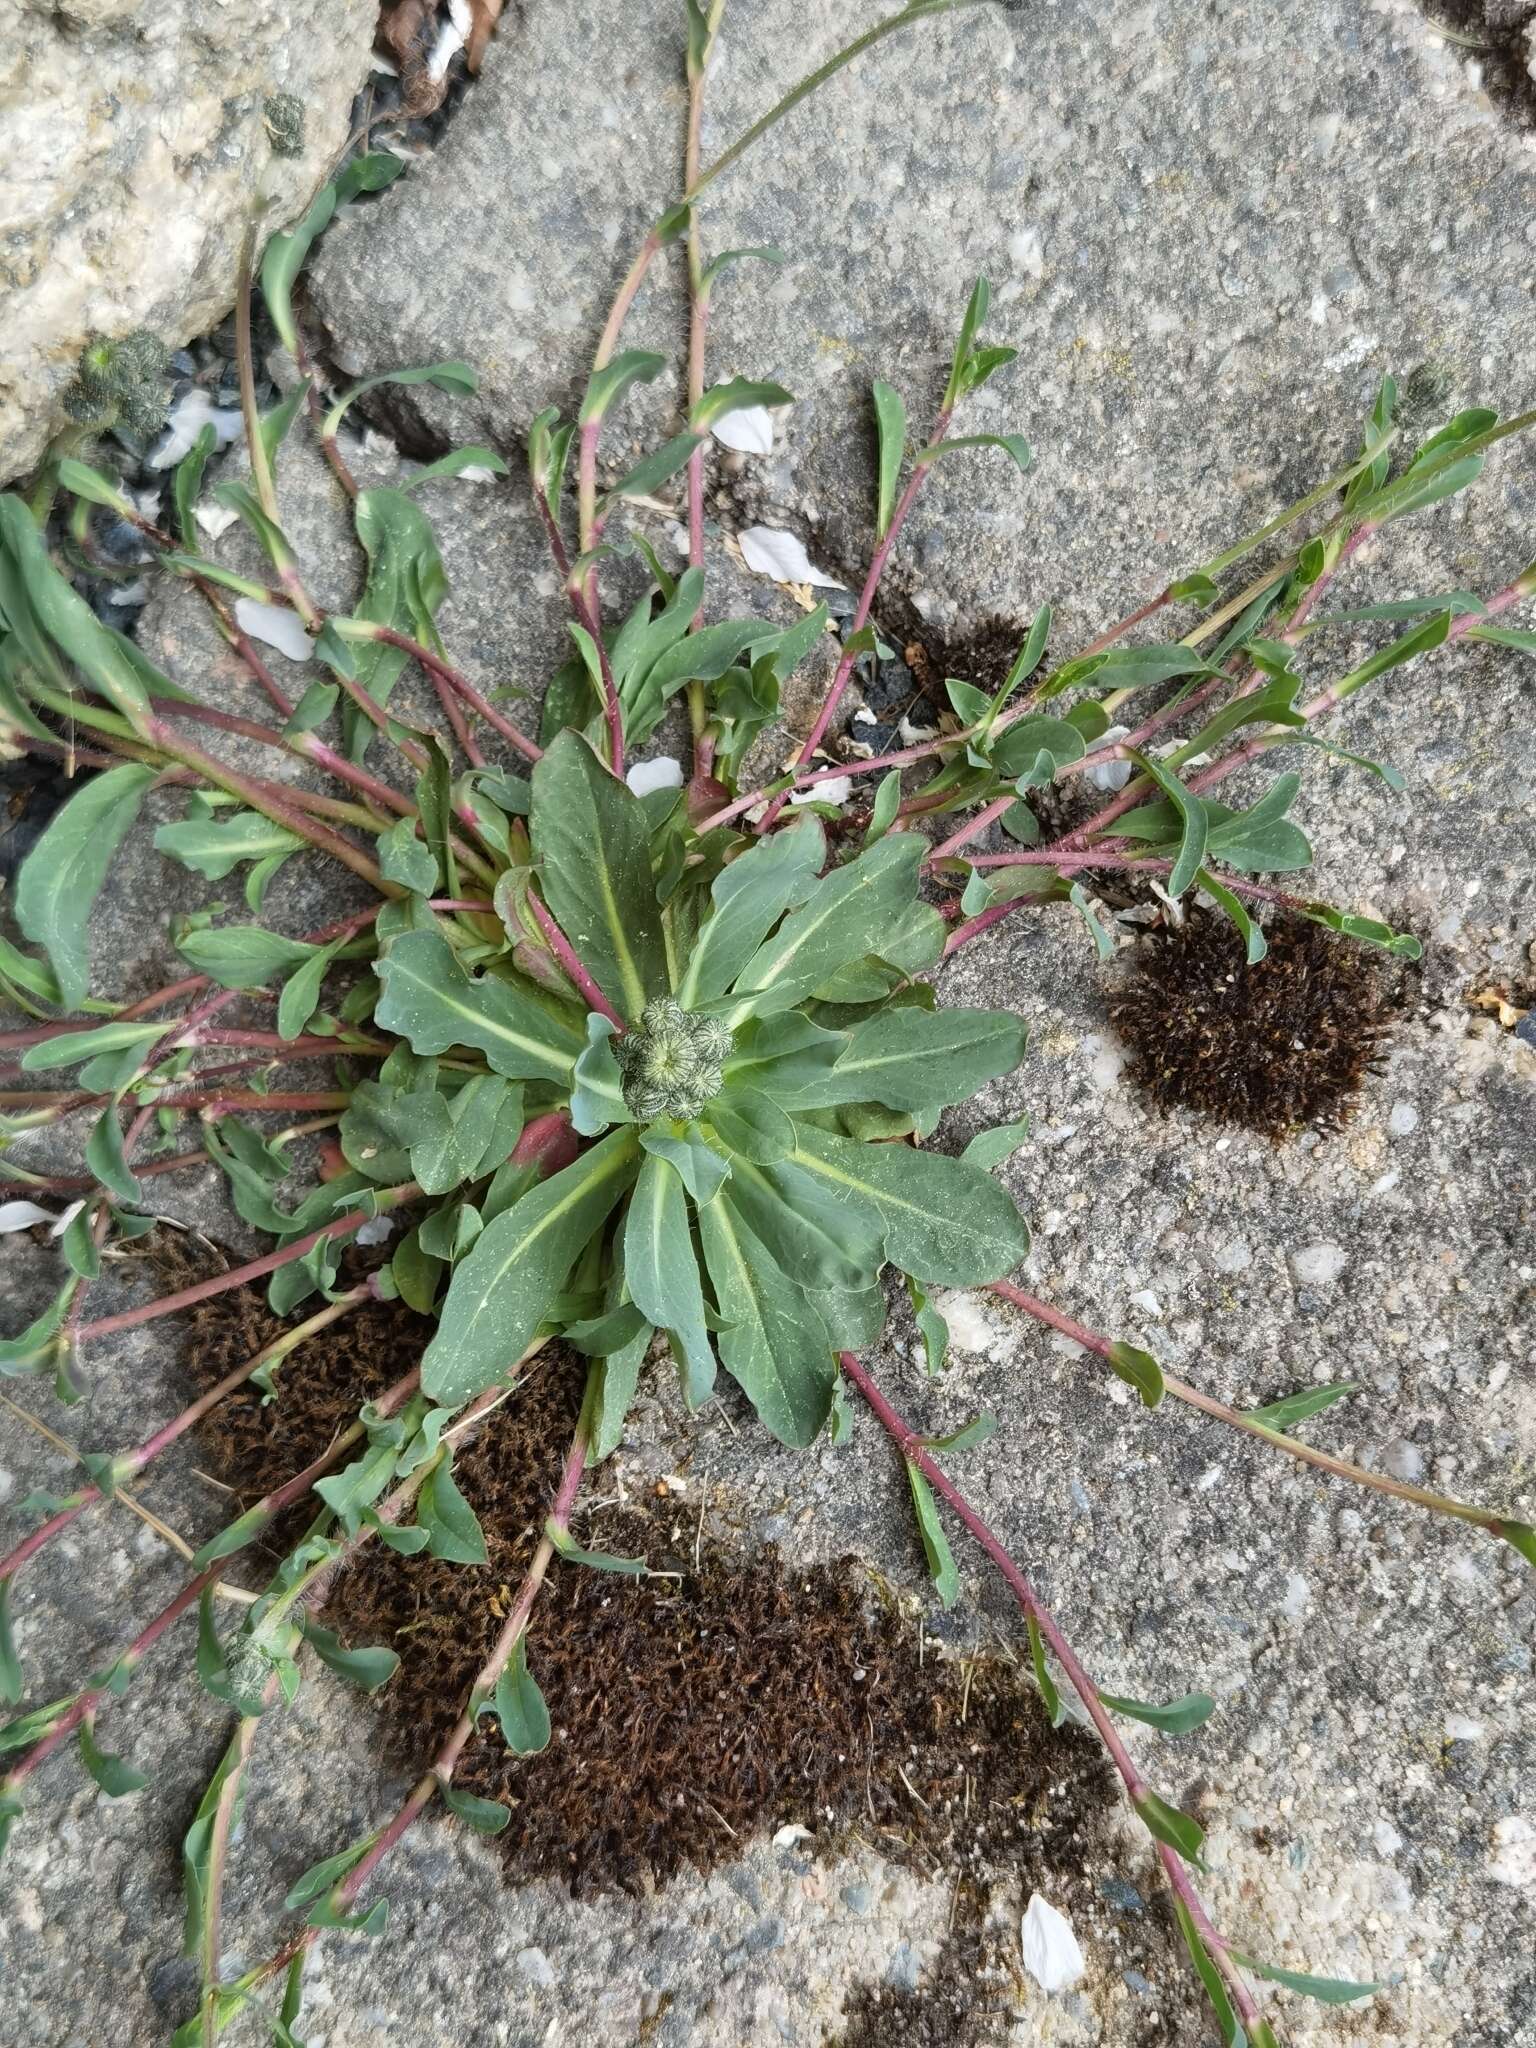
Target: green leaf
<point x="404" y="589"/>
<point x="107" y="1159"/>
<point x="501" y="1292"/>
<point x="820" y="1233"/>
<point x="941" y="1562"/>
<point x="1195" y="589"/>
<point x="1178" y="1717"/>
<point x="750" y="1122"/>
<point x="453" y="1533"/>
<point x="990" y="1148"/>
<point x="1030" y="753"/>
<point x="96" y="489"/>
<point x="733" y="396"/>
<point x="1011" y="444"/>
<point x="1049" y="1694"/>
<point x="116" y="1779"/>
<point x="54" y="610"/>
<point x="455" y="377"/>
<point x="300" y="996"/>
<point x="891" y="425"/>
<point x="61" y="877"/>
<point x="912" y="1059"/>
<point x="1520" y="1536"/>
<point x="212" y="846"/>
<point x="11" y="1686"/>
<point x="1192" y="815"/>
<point x="1402" y="945"/>
<point x="1139" y="1369"/>
<point x="882" y="814"/>
<point x="970" y="326"/>
<point x="1169" y="1825"/>
<point x="594" y="1560"/>
<point x="431" y="1002"/>
<point x="372" y="1923"/>
<point x="592" y="845"/>
<point x="1420" y="641"/>
<point x="608" y="385"/>
<point x="772" y="1342"/>
<point x="485" y="1816"/>
<point x="655" y="469"/>
<point x="946" y="1221"/>
<point x="831" y="927"/>
<point x="597" y="1095"/>
<point x="484" y="1117"/>
<point x="1232" y="2033"/>
<point x="702" y="1169"/>
<point x="69" y="1048"/>
<point x="1261" y="840"/>
<point x="243" y="955"/>
<point x="1254" y="942"/>
<point x="748" y="896"/>
<point x="286" y="254"/>
<point x="454" y="463"/>
<point x="1326" y="1990"/>
<point x="713" y="269"/>
<point x="11" y="1810"/>
<point x="662" y="1273"/>
<point x="1126" y="668"/>
<point x="324" y="1877"/>
<point x="407" y="859"/>
<point x="40" y="1345"/>
<point x="520" y="1706"/>
<point x="1297" y="1407"/>
<point x="931" y="1327"/>
<point x="366" y="1667"/>
<point x="188" y="481"/>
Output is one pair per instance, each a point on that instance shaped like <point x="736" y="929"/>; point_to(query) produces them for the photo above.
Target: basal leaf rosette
<point x="745" y="1174"/>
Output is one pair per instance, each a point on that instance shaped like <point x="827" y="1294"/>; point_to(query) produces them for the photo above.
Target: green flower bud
<point x="670" y="1062"/>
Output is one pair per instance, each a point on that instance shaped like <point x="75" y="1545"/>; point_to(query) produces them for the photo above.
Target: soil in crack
<point x="694" y="1712"/>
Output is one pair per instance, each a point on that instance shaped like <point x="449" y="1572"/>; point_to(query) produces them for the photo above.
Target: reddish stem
<point x="860" y="618"/>
<point x="221" y="1283"/>
<point x="565" y="953"/>
<point x="914" y="1449"/>
<point x="446" y="673"/>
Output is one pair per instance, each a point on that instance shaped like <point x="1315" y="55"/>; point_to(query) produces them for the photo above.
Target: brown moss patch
<point x="1276" y="1046"/>
<point x="694" y="1713"/>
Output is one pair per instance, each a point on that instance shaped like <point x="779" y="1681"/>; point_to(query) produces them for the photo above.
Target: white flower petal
<point x="476" y="473"/>
<point x="1110" y="776"/>
<point x="787" y="1837"/>
<point x="66" y="1218"/>
<point x="835" y="790"/>
<point x="773" y="552"/>
<point x="23" y="1216"/>
<point x="276" y="626"/>
<point x="749" y="430"/>
<point x="214" y="519"/>
<point x="193" y="411"/>
<point x="665" y="772"/>
<point x="1051" y="1954"/>
<point x="377" y="1230"/>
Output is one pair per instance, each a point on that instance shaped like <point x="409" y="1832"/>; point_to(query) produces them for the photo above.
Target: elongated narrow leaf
<point x="941" y="1561"/>
<point x="1139" y="1369"/>
<point x="655" y="469"/>
<point x="10" y="1664"/>
<point x="608" y="385"/>
<point x="833" y="926"/>
<point x="520" y="1705"/>
<point x="1233" y="2034"/>
<point x="1178" y="1717"/>
<point x="116" y="1779"/>
<point x="503" y="1290"/>
<point x="1192" y="817"/>
<point x="914" y="1059"/>
<point x="485" y="1816"/>
<point x="1326" y="1990"/>
<point x="453" y="1533"/>
<point x="990" y="1148"/>
<point x="61" y="877"/>
<point x="662" y="1273"/>
<point x="772" y="1341"/>
<point x="1049" y="1693"/>
<point x="1297" y="1407"/>
<point x="592" y="843"/>
<point x="823" y="1234"/>
<point x="1408" y="648"/>
<point x="891" y="425"/>
<point x="1011" y="444"/>
<point x="321" y="1877"/>
<point x="212" y="846"/>
<point x="734" y="396"/>
<point x="243" y="955"/>
<point x="946" y="1221"/>
<point x="748" y="896"/>
<point x="1255" y="945"/>
<point x="1169" y="1825"/>
<point x="434" y="1005"/>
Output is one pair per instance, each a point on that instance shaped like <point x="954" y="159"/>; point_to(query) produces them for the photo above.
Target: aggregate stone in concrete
<point x="1208" y="237"/>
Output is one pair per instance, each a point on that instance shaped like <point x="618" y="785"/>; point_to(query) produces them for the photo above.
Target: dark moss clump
<point x="1276" y="1046"/>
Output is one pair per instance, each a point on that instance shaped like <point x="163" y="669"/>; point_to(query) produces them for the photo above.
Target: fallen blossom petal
<point x="1110" y="776"/>
<point x="1051" y="1954"/>
<point x="773" y="552"/>
<point x="23" y="1216"/>
<point x="664" y="772"/>
<point x="835" y="790"/>
<point x="749" y="430"/>
<point x="275" y="626"/>
<point x="377" y="1230"/>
